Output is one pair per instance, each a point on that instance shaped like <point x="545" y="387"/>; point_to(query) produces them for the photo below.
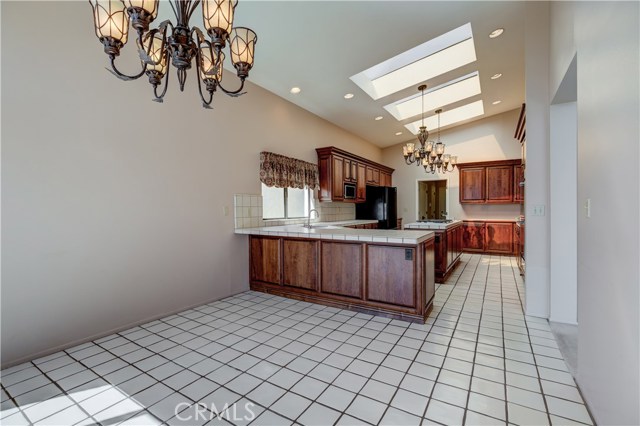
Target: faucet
<point x="444" y="214"/>
<point x="308" y="225"/>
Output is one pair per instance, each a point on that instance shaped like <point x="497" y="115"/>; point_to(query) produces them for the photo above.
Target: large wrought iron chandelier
<point x="181" y="43"/>
<point x="430" y="155"/>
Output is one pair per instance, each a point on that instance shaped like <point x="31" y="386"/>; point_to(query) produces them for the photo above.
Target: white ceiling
<point x="319" y="45"/>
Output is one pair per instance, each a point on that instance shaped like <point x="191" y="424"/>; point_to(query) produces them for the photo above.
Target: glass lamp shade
<point x="429" y="147"/>
<point x="218" y="17"/>
<point x="110" y="20"/>
<point x="242" y="45"/>
<point x="446" y="158"/>
<point x="211" y="68"/>
<point x="410" y="148"/>
<point x="154" y="48"/>
<point x="423" y="135"/>
<point x="425" y="161"/>
<point x="439" y="148"/>
<point x="454" y="159"/>
<point x="405" y="151"/>
<point x="149" y="6"/>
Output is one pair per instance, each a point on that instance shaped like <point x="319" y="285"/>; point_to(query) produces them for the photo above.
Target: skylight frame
<point x="447" y="118"/>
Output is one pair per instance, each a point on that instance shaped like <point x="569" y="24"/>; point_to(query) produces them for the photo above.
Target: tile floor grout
<point x="255" y="313"/>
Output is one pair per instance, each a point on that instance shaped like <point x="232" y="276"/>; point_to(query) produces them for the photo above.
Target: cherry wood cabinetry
<point x="518" y="241"/>
<point x="518" y="184"/>
<point x="394" y="280"/>
<point x="490" y="182"/>
<point x="337" y="167"/>
<point x="447" y="250"/>
<point x="494" y="237"/>
<point x="364" y="226"/>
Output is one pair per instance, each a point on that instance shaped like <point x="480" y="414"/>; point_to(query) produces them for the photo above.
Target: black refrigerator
<point x="381" y="205"/>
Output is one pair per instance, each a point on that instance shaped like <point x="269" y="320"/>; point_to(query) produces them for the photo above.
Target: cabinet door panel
<point x="300" y="264"/>
<point x="338" y="179"/>
<point x="499" y="184"/>
<point x="361" y="185"/>
<point x="499" y="237"/>
<point x="390" y="276"/>
<point x="473" y="236"/>
<point x="265" y="260"/>
<point x="472" y="185"/>
<point x="376" y="176"/>
<point x="518" y="178"/>
<point x="341" y="269"/>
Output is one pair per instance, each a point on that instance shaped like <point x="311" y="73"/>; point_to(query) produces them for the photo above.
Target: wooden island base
<point x="391" y="280"/>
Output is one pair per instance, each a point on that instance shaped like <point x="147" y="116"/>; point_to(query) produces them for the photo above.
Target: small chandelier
<point x="179" y="42"/>
<point x="431" y="156"/>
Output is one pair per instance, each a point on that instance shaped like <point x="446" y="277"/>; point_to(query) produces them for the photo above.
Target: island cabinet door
<point x="391" y="275"/>
<point x="300" y="264"/>
<point x="428" y="260"/>
<point x="341" y="269"/>
<point x="264" y="258"/>
<point x="499" y="237"/>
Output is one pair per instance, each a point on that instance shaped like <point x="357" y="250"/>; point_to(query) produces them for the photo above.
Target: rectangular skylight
<point x="448" y="93"/>
<point x="430" y="59"/>
<point x="456" y="115"/>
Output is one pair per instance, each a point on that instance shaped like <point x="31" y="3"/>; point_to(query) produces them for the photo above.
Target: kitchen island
<point x="375" y="271"/>
<point x="448" y="240"/>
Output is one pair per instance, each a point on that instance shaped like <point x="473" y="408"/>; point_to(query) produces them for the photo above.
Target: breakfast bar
<point x="380" y="272"/>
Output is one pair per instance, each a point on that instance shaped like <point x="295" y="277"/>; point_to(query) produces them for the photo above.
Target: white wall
<point x="605" y="37"/>
<point x="563" y="214"/>
<point x="113" y="204"/>
<point x="537" y="167"/>
<point x="483" y="140"/>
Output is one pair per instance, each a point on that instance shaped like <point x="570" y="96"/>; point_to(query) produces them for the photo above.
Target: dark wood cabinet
<point x="518" y="242"/>
<point x="499" y="237"/>
<point x="446" y="250"/>
<point x="518" y="184"/>
<point x="473" y="236"/>
<point x="264" y="262"/>
<point x="337" y="167"/>
<point x="341" y="269"/>
<point x="489" y="182"/>
<point x="300" y="263"/>
<point x="390" y="275"/>
<point x="500" y="184"/>
<point x="472" y="185"/>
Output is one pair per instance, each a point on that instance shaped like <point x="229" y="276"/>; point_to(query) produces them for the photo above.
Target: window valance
<point x="286" y="172"/>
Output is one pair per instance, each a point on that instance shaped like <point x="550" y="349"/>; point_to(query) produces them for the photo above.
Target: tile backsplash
<point x="248" y="212"/>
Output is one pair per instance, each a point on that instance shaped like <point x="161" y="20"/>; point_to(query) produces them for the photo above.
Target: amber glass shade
<point x="454" y="159"/>
<point x="446" y="158"/>
<point x="439" y="148"/>
<point x="159" y="55"/>
<point x="210" y="68"/>
<point x="149" y="6"/>
<point x="429" y="146"/>
<point x="110" y="20"/>
<point x="218" y="16"/>
<point x="410" y="147"/>
<point x="242" y="45"/>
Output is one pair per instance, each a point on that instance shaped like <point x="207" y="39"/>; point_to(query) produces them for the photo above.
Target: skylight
<point x="447" y="118"/>
<point x="430" y="59"/>
<point x="448" y="93"/>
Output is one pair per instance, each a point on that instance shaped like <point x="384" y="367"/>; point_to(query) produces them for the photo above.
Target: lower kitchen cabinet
<point x="341" y="269"/>
<point x="300" y="263"/>
<point x="394" y="280"/>
<point x="492" y="237"/>
<point x="473" y="236"/>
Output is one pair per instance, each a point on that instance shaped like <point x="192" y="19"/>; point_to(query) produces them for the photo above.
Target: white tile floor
<point x="265" y="360"/>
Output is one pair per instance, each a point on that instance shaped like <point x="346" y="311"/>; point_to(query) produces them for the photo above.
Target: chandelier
<point x="431" y="156"/>
<point x="182" y="44"/>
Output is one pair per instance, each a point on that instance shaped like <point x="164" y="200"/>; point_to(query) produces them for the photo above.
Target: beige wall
<point x="113" y="204"/>
<point x="605" y="36"/>
<point x="487" y="139"/>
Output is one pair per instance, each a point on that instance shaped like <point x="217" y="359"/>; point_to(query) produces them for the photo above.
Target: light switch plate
<point x="587" y="207"/>
<point x="538" y="210"/>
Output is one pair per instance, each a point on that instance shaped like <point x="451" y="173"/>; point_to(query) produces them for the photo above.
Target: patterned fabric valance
<point x="286" y="172"/>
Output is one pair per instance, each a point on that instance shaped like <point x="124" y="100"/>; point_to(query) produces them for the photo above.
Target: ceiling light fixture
<point x="495" y="102"/>
<point x="295" y="90"/>
<point x="398" y="133"/>
<point x="431" y="156"/>
<point x="178" y="41"/>
<point x="348" y="96"/>
<point x="496" y="76"/>
<point x="378" y="118"/>
<point x="496" y="33"/>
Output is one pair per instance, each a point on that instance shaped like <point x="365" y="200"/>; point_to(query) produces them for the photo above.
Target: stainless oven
<point x="349" y="191"/>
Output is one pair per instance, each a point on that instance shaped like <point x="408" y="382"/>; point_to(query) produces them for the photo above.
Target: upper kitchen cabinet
<point x="344" y="176"/>
<point x="490" y="182"/>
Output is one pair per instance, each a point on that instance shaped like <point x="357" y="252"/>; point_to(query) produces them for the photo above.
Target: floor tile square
<point x="290" y="405"/>
<point x="366" y="409"/>
<point x="410" y="402"/>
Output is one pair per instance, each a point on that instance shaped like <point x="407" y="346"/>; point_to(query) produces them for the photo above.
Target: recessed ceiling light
<point x="451" y="116"/>
<point x="496" y="33"/>
<point x="378" y="118"/>
<point x="295" y="90"/>
<point x="423" y="62"/>
<point x="348" y="96"/>
<point x="398" y="133"/>
<point x="496" y="76"/>
<point x="496" y="102"/>
<point x="445" y="94"/>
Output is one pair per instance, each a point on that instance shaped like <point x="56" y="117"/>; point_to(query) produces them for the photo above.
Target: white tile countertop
<point x="329" y="231"/>
<point x="431" y="225"/>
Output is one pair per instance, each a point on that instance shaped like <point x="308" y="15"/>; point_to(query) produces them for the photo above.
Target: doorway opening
<point x="432" y="199"/>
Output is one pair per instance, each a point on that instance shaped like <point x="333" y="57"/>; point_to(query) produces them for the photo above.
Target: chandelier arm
<point x="115" y="71"/>
<point x="206" y="104"/>
<point x="234" y="93"/>
<point x="175" y="12"/>
<point x="193" y="8"/>
<point x="145" y="54"/>
<point x="164" y="91"/>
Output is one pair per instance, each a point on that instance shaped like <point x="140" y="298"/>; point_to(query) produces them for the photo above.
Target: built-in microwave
<point x="349" y="191"/>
